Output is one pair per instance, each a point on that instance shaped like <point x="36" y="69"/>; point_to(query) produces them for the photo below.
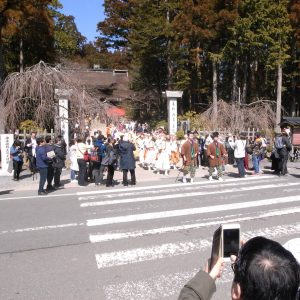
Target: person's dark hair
<point x="72" y="142"/>
<point x="58" y="140"/>
<point x="257" y="135"/>
<point x="79" y="140"/>
<point x="17" y="143"/>
<point x="39" y="140"/>
<point x="215" y="134"/>
<point x="265" y="270"/>
<point x="48" y="139"/>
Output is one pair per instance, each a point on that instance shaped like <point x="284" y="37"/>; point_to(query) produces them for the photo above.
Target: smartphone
<point x="216" y="248"/>
<point x="231" y="240"/>
<point x="226" y="242"/>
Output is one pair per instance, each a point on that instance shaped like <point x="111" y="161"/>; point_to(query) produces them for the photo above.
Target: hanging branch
<point x="33" y="93"/>
<point x="235" y="118"/>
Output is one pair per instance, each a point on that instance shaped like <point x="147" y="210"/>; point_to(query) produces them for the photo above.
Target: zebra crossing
<point x="148" y="241"/>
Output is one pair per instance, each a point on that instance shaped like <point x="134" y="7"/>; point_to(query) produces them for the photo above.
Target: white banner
<point x="172" y="115"/>
<point x="6" y="142"/>
<point x="64" y="119"/>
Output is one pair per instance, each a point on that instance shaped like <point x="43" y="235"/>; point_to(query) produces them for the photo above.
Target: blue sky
<point x="87" y="14"/>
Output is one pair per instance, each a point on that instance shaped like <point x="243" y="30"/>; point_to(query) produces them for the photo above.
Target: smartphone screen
<point x="231" y="241"/>
<point x="215" y="250"/>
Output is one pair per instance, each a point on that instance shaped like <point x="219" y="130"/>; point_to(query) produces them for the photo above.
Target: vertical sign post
<point x="6" y="142"/>
<point x="172" y="97"/>
<point x="63" y="113"/>
<point x="64" y="119"/>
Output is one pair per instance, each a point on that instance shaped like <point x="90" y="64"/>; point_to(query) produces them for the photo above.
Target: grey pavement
<point x="141" y="242"/>
<point x="30" y="183"/>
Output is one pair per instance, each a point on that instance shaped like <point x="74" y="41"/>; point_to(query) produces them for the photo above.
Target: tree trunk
<point x="21" y="56"/>
<point x="2" y="73"/>
<point x="279" y="94"/>
<point x="245" y="83"/>
<point x="253" y="79"/>
<point x="234" y="82"/>
<point x="215" y="93"/>
<point x="293" y="110"/>
<point x="169" y="61"/>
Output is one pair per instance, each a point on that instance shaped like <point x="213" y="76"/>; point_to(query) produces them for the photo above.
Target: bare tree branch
<point x="32" y="93"/>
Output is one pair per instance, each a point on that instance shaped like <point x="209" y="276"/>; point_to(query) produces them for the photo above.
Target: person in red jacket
<point x="216" y="153"/>
<point x="189" y="152"/>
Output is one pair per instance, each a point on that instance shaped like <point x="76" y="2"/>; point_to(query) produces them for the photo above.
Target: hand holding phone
<point x="226" y="242"/>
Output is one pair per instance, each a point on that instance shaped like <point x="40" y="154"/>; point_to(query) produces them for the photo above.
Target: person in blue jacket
<point x="16" y="153"/>
<point x="42" y="164"/>
<point x="98" y="168"/>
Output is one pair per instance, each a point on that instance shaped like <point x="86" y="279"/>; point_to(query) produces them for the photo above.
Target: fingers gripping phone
<point x="226" y="242"/>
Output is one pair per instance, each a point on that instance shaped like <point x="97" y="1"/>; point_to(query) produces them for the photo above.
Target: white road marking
<point x="112" y="236"/>
<point x="173" y="190"/>
<point x="39" y="197"/>
<point x="187" y="194"/>
<point x="143" y="188"/>
<point x="30" y="229"/>
<point x="153" y="288"/>
<point x="191" y="211"/>
<point x="135" y="188"/>
<point x="159" y="286"/>
<point x="118" y="258"/>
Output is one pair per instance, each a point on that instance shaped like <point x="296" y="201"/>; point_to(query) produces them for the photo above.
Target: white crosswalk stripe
<point x="152" y="251"/>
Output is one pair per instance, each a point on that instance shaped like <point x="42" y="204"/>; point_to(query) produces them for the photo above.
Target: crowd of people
<point x="91" y="157"/>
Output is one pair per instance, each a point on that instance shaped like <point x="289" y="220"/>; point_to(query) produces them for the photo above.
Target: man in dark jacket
<point x="41" y="164"/>
<point x="263" y="270"/>
<point x="58" y="161"/>
<point x="49" y="147"/>
<point x="283" y="147"/>
<point x="127" y="161"/>
<point x="98" y="168"/>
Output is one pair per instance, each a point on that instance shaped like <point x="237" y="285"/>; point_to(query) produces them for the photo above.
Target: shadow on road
<point x="6" y="192"/>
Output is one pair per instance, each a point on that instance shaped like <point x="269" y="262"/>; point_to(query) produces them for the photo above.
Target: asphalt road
<point x="140" y="242"/>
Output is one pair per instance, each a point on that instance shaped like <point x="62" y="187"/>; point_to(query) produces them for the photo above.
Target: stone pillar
<point x="63" y="114"/>
<point x="172" y="97"/>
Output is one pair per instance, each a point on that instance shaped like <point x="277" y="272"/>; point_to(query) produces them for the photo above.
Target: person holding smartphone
<point x="263" y="270"/>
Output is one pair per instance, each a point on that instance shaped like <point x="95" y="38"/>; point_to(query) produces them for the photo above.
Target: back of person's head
<point x="40" y="140"/>
<point x="48" y="139"/>
<point x="265" y="270"/>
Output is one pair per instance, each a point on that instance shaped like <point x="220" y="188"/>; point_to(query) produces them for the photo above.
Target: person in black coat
<point x="284" y="153"/>
<point x="127" y="161"/>
<point x="58" y="160"/>
<point x="49" y="147"/>
<point x="30" y="146"/>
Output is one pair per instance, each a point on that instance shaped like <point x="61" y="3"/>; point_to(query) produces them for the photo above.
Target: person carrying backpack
<point x="127" y="160"/>
<point x="283" y="146"/>
<point x="110" y="161"/>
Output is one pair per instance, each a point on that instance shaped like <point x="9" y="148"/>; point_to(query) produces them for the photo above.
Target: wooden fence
<point x="23" y="135"/>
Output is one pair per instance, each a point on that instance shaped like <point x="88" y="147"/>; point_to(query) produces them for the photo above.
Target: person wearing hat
<point x="189" y="152"/>
<point x="216" y="153"/>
